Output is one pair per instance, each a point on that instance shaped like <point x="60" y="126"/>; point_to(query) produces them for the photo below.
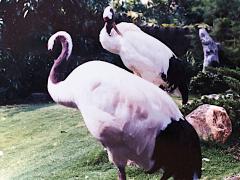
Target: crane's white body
<point x="140" y="52"/>
<point x="124" y="117"/>
<point x="131" y="117"/>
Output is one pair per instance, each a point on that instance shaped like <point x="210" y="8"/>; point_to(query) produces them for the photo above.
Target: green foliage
<point x="207" y="83"/>
<point x="233" y="83"/>
<point x="12" y="84"/>
<point x="216" y="80"/>
<point x="230" y="76"/>
<point x="234" y="73"/>
<point x="25" y="27"/>
<point x="161" y="11"/>
<point x="194" y="54"/>
<point x="223" y="16"/>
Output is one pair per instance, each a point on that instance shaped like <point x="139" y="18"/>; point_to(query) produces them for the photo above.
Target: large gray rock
<point x="211" y="123"/>
<point x="210" y="49"/>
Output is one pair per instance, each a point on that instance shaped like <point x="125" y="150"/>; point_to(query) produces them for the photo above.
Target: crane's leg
<point x="121" y="173"/>
<point x="120" y="161"/>
<point x="183" y="88"/>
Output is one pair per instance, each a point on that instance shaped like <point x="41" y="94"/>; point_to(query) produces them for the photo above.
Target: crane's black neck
<point x="109" y="25"/>
<point x="58" y="71"/>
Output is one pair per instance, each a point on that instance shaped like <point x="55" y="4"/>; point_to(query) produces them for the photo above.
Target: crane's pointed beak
<point x="116" y="29"/>
<point x="109" y="26"/>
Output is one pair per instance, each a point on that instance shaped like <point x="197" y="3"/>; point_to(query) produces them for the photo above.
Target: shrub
<point x="233" y="83"/>
<point x="12" y="84"/>
<point x="230" y="76"/>
<point x="24" y="61"/>
<point x="208" y="83"/>
<point x="234" y="73"/>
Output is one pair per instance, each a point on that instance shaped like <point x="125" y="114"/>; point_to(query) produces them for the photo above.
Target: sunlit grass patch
<point x="48" y="141"/>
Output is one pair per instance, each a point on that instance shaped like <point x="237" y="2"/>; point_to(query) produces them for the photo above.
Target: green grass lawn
<point x="48" y="141"/>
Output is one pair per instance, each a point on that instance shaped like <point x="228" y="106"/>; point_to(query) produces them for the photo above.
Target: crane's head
<point x="65" y="40"/>
<point x="108" y="17"/>
<point x="108" y="14"/>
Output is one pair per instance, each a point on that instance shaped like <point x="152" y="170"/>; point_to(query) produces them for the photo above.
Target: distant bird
<point x="143" y="54"/>
<point x="132" y="118"/>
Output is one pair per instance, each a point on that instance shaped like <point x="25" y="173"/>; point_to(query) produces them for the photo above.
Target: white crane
<point x="131" y="117"/>
<point x="143" y="54"/>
